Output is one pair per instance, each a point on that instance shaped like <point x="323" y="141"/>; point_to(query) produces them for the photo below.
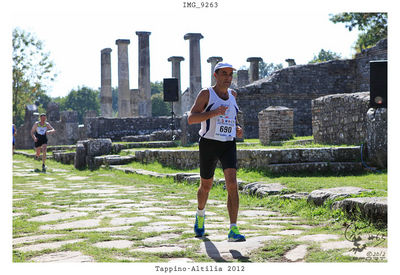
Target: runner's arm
<point x="51" y="130"/>
<point x="33" y="131"/>
<point x="197" y="113"/>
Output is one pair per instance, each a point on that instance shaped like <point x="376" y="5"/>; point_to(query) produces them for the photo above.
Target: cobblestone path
<point x="65" y="215"/>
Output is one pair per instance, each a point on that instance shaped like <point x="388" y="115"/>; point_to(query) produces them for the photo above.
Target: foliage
<point x="325" y="56"/>
<point x="81" y="100"/>
<point x="266" y="69"/>
<point x="156" y="87"/>
<point x="32" y="72"/>
<point x="373" y="27"/>
<point x="115" y="101"/>
<point x="159" y="106"/>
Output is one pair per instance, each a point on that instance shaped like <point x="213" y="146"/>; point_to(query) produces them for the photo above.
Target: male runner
<point x="216" y="109"/>
<point x="39" y="134"/>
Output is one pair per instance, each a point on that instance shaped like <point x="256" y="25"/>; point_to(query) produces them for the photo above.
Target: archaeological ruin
<point x="329" y="100"/>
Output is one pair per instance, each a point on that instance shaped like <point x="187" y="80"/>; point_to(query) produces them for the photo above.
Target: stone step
<point x="311" y="167"/>
<point x="113" y="160"/>
<point x="118" y="147"/>
<point x="338" y="158"/>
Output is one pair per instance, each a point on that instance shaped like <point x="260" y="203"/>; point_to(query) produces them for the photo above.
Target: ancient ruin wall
<point x="295" y="87"/>
<point x="340" y="118"/>
<point x="116" y="128"/>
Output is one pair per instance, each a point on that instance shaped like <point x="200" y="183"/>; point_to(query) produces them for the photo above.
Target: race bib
<point x="225" y="126"/>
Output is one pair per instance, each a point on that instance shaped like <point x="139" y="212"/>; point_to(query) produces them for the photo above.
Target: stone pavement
<point x="67" y="216"/>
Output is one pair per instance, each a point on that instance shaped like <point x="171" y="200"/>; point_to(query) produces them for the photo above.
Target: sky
<point x="75" y="35"/>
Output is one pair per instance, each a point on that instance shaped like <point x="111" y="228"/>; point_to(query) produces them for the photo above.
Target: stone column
<point x="144" y="74"/>
<point x="290" y="62"/>
<point x="195" y="65"/>
<point x="254" y="68"/>
<point x="105" y="90"/>
<point x="176" y="72"/>
<point x="124" y="106"/>
<point x="213" y="60"/>
<point x="242" y="78"/>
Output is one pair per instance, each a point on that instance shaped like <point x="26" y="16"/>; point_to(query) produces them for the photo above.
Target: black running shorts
<point x="41" y="139"/>
<point x="213" y="150"/>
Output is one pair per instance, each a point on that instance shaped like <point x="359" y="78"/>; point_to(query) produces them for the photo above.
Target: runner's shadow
<point x="213" y="253"/>
<point x="212" y="250"/>
<point x="238" y="256"/>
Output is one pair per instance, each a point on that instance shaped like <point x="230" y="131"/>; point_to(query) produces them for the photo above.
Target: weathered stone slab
<point x="163" y="237"/>
<point x="289" y="232"/>
<point x="297" y="253"/>
<point x="124" y="221"/>
<point x="114" y="244"/>
<point x="374" y="208"/>
<point x="295" y="196"/>
<point x="57" y="216"/>
<point x="318" y="237"/>
<point x="257" y="213"/>
<point x="43" y="246"/>
<point x="63" y="256"/>
<point x="105" y="229"/>
<point x="71" y="225"/>
<point x="95" y="191"/>
<point x="31" y="239"/>
<point x="158" y="249"/>
<point x="263" y="189"/>
<point x="318" y="197"/>
<point x="77" y="178"/>
<point x="159" y="228"/>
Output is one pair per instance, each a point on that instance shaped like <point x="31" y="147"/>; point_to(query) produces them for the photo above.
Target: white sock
<point x="201" y="213"/>
<point x="232" y="224"/>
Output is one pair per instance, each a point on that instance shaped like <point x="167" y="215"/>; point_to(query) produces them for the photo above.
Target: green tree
<point x="156" y="87"/>
<point x="82" y="100"/>
<point x="32" y="72"/>
<point x="159" y="106"/>
<point x="324" y="56"/>
<point x="115" y="101"/>
<point x="266" y="69"/>
<point x="372" y="27"/>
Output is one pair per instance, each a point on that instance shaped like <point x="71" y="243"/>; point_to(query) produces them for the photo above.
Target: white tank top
<point x="223" y="127"/>
<point x="41" y="129"/>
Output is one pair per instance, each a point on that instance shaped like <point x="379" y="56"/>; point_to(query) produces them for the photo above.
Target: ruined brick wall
<point x="116" y="128"/>
<point x="340" y="118"/>
<point x="296" y="86"/>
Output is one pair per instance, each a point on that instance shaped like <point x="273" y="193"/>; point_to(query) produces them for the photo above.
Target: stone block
<point x="318" y="197"/>
<point x="261" y="189"/>
<point x="376" y="121"/>
<point x="99" y="147"/>
<point x="373" y="208"/>
<point x="80" y="157"/>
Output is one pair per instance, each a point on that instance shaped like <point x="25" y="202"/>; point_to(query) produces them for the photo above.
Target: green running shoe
<point x="234" y="235"/>
<point x="199" y="229"/>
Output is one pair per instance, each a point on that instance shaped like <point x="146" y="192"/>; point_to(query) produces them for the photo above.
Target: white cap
<point x="221" y="65"/>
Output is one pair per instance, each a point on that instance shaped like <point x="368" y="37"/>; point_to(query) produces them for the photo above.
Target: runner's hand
<point x="239" y="132"/>
<point x="220" y="110"/>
